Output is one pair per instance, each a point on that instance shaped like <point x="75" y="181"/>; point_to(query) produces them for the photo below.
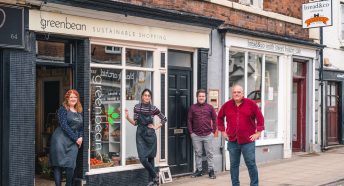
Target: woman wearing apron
<point x="67" y="138"/>
<point x="146" y="142"/>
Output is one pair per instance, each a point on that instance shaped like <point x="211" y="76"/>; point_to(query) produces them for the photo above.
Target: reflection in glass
<point x="139" y="58"/>
<point x="271" y="96"/>
<point x="53" y="51"/>
<point x="236" y="69"/>
<point x="254" y="77"/>
<point x="105" y="131"/>
<point x="298" y="69"/>
<point x="106" y="54"/>
<point x="136" y="82"/>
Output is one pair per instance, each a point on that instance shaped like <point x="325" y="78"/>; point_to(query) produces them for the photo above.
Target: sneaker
<point x="212" y="174"/>
<point x="197" y="173"/>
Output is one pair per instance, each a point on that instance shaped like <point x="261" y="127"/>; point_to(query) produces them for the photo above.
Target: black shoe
<point x="212" y="174"/>
<point x="157" y="179"/>
<point x="197" y="173"/>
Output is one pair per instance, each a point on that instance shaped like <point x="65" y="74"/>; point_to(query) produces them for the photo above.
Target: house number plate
<point x="178" y="131"/>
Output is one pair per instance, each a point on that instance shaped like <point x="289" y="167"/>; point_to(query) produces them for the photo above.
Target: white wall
<point x="332" y="38"/>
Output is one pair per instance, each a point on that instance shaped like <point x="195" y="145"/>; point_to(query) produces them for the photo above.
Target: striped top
<point x="148" y="109"/>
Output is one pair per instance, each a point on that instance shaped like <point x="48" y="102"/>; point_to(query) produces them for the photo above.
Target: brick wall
<point x="239" y="18"/>
<point x="286" y="7"/>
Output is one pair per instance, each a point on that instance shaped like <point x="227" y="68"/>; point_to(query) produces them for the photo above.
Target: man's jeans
<point x="197" y="142"/>
<point x="248" y="151"/>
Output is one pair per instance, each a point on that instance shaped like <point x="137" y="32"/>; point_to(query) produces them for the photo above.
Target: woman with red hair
<point x="67" y="138"/>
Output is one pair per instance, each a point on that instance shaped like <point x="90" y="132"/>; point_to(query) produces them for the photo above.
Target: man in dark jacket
<point x="245" y="123"/>
<point x="202" y="127"/>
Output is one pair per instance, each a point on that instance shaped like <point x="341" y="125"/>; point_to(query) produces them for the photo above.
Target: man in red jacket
<point x="245" y="123"/>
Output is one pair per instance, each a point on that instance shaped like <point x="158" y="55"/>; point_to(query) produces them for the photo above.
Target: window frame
<point x="262" y="140"/>
<point x="156" y="71"/>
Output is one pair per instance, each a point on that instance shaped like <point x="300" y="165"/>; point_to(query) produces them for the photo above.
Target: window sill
<point x="119" y="169"/>
<point x="265" y="142"/>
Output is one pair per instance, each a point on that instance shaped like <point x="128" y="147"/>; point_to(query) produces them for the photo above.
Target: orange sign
<point x="316" y="19"/>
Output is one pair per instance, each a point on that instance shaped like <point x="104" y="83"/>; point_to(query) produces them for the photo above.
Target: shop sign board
<point x="317" y="14"/>
<point x="11" y="26"/>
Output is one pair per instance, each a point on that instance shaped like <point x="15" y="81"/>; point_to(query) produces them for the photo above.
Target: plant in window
<point x="112" y="115"/>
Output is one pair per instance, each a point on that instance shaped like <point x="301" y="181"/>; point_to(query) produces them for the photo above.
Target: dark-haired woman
<point x="146" y="141"/>
<point x="67" y="138"/>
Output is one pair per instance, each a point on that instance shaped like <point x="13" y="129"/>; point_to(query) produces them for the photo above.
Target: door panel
<point x="299" y="105"/>
<point x="179" y="143"/>
<point x="332" y="113"/>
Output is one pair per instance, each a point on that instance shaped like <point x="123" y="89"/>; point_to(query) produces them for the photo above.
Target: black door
<point x="179" y="142"/>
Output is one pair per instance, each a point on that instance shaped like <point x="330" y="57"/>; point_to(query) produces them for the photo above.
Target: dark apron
<point x="146" y="142"/>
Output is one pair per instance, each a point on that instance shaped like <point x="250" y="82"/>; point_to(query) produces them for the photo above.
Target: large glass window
<point x="262" y="78"/>
<point x="113" y="143"/>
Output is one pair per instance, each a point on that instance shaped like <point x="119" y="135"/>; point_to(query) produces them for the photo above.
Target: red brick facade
<point x="240" y="18"/>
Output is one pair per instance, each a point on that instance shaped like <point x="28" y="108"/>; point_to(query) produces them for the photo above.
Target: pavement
<point x="312" y="169"/>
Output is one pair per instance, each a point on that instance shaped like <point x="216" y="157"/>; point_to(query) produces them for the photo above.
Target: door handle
<point x="177" y="92"/>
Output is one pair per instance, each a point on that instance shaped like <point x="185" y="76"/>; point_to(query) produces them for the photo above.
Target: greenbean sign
<point x="11" y="27"/>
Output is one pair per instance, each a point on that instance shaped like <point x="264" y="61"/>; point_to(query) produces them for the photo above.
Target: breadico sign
<point x="317" y="14"/>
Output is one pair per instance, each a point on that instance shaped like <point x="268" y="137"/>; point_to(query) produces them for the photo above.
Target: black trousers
<point x="58" y="175"/>
<point x="148" y="164"/>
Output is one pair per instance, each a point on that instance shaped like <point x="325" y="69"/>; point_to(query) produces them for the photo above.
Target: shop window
<point x="262" y="78"/>
<point x="271" y="96"/>
<point x="105" y="137"/>
<point x="50" y="51"/>
<point x="236" y="69"/>
<point x="139" y="58"/>
<point x="106" y="54"/>
<point x="136" y="82"/>
<point x="113" y="143"/>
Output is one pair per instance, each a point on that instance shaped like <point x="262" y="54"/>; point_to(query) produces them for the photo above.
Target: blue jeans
<point x="249" y="153"/>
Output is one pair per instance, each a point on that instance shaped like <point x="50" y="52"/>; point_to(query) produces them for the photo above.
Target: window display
<point x="105" y="117"/>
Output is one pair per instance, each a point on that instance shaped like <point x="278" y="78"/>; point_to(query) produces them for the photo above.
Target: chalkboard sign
<point x="11" y="26"/>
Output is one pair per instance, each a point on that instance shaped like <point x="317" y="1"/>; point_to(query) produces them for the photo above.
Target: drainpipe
<point x="321" y="69"/>
<point x="223" y="142"/>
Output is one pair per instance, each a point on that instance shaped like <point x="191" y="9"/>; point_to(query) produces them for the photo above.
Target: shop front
<point x="333" y="82"/>
<point x="277" y="75"/>
<point x="110" y="58"/>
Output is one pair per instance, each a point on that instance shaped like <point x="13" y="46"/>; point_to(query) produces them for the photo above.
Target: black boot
<point x="157" y="179"/>
<point x="212" y="174"/>
<point x="197" y="173"/>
